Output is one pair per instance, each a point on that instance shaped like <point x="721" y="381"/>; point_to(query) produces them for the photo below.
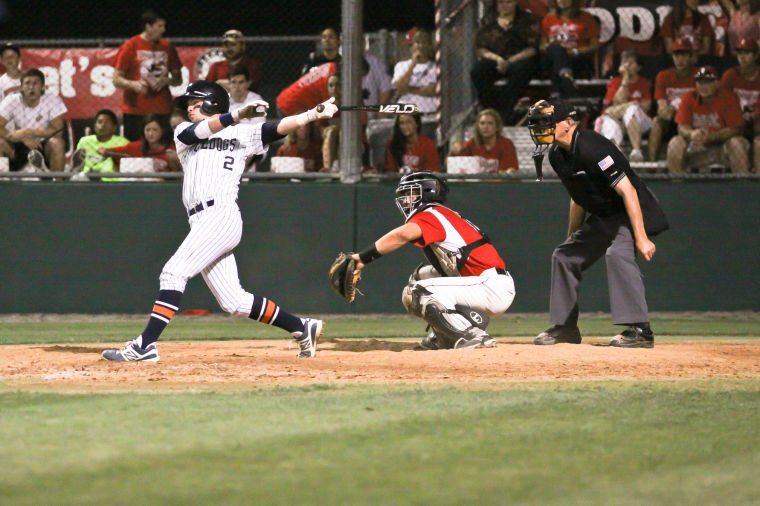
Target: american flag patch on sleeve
<point x="606" y="163"/>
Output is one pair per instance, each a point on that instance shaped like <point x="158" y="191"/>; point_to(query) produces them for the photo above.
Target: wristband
<point x="369" y="254"/>
<point x="227" y="119"/>
<point x="236" y="115"/>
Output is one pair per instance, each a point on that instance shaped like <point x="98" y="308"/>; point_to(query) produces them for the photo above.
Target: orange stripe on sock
<point x="271" y="306"/>
<point x="164" y="311"/>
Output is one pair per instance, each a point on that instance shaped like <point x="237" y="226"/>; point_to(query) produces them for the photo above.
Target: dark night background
<point x="33" y="19"/>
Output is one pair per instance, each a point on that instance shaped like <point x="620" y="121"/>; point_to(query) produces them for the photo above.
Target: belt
<point x="200" y="207"/>
<point x="501" y="271"/>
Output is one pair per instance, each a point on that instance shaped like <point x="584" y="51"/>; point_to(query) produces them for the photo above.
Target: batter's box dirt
<point x="219" y="365"/>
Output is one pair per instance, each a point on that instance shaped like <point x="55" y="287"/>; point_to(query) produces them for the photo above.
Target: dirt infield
<point x="245" y="364"/>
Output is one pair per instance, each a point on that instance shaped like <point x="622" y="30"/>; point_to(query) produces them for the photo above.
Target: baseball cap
<point x="562" y="110"/>
<point x="682" y="44"/>
<point x="746" y="44"/>
<point x="706" y="73"/>
<point x="11" y="46"/>
<point x="233" y="35"/>
<point x="408" y="38"/>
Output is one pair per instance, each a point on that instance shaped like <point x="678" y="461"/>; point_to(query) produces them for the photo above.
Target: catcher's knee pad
<point x="411" y="298"/>
<point x="448" y="330"/>
<point x="475" y="317"/>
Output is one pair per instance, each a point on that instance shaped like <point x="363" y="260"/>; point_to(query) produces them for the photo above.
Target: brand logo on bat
<point x="399" y="109"/>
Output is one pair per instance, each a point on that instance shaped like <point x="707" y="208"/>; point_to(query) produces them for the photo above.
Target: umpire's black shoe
<point x="634" y="337"/>
<point x="559" y="334"/>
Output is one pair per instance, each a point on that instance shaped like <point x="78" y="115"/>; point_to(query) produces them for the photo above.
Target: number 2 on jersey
<point x="228" y="161"/>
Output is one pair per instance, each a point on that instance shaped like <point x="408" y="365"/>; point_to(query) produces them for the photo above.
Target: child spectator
<point x="669" y="88"/>
<point x="156" y="143"/>
<point x="709" y="128"/>
<point x="498" y="153"/>
<point x="408" y="150"/>
<point x="304" y="143"/>
<point x="628" y="98"/>
<point x="87" y="158"/>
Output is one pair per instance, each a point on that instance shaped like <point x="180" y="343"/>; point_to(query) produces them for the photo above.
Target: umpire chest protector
<point x="591" y="168"/>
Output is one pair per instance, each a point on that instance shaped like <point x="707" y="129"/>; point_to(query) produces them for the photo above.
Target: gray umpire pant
<point x="612" y="237"/>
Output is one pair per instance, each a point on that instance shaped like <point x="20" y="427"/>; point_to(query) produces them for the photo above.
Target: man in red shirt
<point x="466" y="281"/>
<point x="309" y="91"/>
<point x="744" y="80"/>
<point x="626" y="106"/>
<point x="233" y="46"/>
<point x="710" y="128"/>
<point x="146" y="65"/>
<point x="670" y="86"/>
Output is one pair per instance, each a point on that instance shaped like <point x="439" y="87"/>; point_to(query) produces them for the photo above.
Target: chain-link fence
<point x="577" y="55"/>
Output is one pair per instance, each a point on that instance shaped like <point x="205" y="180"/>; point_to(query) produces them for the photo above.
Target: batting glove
<point x="326" y="109"/>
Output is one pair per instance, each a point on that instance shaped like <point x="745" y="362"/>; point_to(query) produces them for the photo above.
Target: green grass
<point x="110" y="329"/>
<point x="613" y="443"/>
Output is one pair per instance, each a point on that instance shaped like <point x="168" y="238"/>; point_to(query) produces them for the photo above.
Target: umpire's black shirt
<point x="591" y="169"/>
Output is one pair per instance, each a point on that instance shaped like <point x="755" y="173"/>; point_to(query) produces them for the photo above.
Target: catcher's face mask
<point x="409" y="198"/>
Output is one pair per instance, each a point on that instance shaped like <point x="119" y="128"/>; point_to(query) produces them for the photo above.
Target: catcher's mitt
<point x="342" y="278"/>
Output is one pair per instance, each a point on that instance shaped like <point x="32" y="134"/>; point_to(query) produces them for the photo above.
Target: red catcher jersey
<point x="668" y="86"/>
<point x="309" y="91"/>
<point x="442" y="225"/>
<point x="721" y="111"/>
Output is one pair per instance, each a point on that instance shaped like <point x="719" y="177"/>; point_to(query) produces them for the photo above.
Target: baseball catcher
<point x="465" y="282"/>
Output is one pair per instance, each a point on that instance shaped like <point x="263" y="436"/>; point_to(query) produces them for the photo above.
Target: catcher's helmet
<point x="216" y="100"/>
<point x="419" y="190"/>
<point x="543" y="117"/>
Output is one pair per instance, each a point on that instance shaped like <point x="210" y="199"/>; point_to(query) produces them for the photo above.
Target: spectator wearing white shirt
<point x="376" y="84"/>
<point x="38" y="124"/>
<point x="10" y="57"/>
<point x="415" y="79"/>
<point x="240" y="95"/>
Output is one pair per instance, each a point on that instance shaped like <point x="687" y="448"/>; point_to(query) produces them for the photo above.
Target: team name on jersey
<point x="217" y="144"/>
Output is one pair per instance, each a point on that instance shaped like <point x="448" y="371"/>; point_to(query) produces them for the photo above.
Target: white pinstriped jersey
<point x="213" y="166"/>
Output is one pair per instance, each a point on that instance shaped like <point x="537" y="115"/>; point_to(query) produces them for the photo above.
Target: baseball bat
<point x="384" y="108"/>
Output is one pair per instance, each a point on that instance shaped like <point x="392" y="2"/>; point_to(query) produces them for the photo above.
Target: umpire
<point x="612" y="213"/>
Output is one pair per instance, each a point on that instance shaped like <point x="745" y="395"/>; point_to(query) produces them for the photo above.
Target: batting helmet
<point x="216" y="100"/>
<point x="419" y="190"/>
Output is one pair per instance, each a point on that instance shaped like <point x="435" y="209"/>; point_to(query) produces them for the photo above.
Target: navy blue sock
<point x="266" y="311"/>
<point x="166" y="306"/>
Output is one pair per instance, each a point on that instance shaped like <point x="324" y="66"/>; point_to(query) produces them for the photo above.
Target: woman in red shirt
<point x="408" y="150"/>
<point x="498" y="153"/>
<point x="156" y="143"/>
<point x="569" y="40"/>
<point x="686" y="21"/>
<point x="304" y="143"/>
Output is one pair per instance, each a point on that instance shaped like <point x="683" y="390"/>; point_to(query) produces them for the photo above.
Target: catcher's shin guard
<point x="445" y="328"/>
<point x="475" y="317"/>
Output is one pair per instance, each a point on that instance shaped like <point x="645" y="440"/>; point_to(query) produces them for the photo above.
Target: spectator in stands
<point x="569" y="41"/>
<point x="239" y="84"/>
<point x="507" y="46"/>
<point x="146" y="65"/>
<point x="709" y="128"/>
<point x="408" y="150"/>
<point x="304" y="143"/>
<point x="376" y="84"/>
<point x="86" y="158"/>
<point x="233" y="47"/>
<point x="307" y="92"/>
<point x="686" y="21"/>
<point x="538" y="8"/>
<point x="156" y="143"/>
<point x="415" y="79"/>
<point x="626" y="106"/>
<point x="10" y="57"/>
<point x="498" y="153"/>
<point x="669" y="88"/>
<point x="744" y="80"/>
<point x="330" y="50"/>
<point x="744" y="21"/>
<point x="32" y="124"/>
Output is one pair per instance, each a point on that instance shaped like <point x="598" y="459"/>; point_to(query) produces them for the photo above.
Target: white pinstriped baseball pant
<point x="207" y="249"/>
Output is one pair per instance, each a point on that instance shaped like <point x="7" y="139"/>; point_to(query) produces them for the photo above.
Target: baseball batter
<point x="213" y="146"/>
<point x="466" y="281"/>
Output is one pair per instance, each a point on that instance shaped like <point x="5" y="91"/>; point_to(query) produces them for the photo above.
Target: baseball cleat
<point x="482" y="341"/>
<point x="309" y="338"/>
<point x="634" y="337"/>
<point x="559" y="334"/>
<point x="430" y="342"/>
<point x="133" y="353"/>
